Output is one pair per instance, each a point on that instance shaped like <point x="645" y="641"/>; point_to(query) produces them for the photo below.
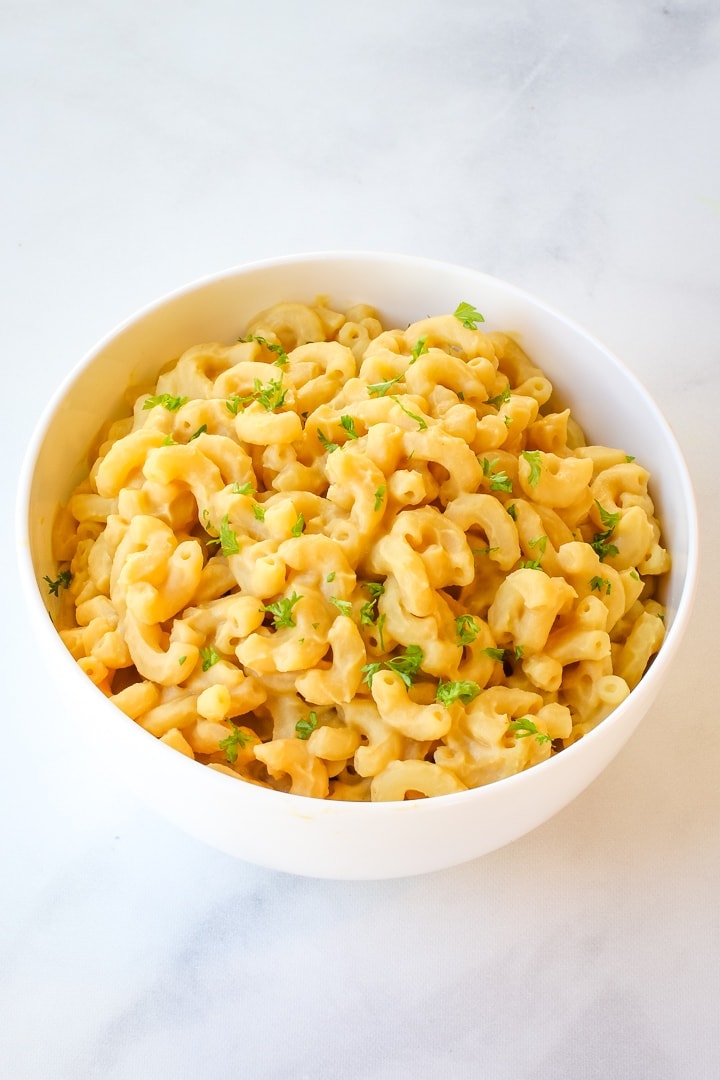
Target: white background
<point x="569" y="147"/>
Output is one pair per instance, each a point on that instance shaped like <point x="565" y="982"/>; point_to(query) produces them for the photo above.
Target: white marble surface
<point x="571" y="147"/>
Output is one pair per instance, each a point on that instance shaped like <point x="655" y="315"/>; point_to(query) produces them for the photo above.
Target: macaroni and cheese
<point x="352" y="562"/>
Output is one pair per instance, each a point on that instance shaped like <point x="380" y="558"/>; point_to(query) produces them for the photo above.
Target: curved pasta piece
<point x="417" y="777"/>
<point x="470" y="510"/>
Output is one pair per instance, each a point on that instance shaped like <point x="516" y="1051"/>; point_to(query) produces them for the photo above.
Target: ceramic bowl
<point x="289" y="832"/>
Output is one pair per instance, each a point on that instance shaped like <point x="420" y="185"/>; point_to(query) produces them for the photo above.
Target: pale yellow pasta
<point x="354" y="562"/>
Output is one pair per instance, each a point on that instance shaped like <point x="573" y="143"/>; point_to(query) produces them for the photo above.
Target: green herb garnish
<point x="172" y="404"/>
<point x="380" y="389"/>
<point x="62" y="581"/>
<point x="500" y="398"/>
<point x="524" y="727"/>
<point x="535" y="462"/>
<point x="236" y="740"/>
<point x="281" y="611"/>
<point x="406" y="665"/>
<point x="449" y="692"/>
<point x="304" y="728"/>
<point x="419" y="348"/>
<point x="299" y="525"/>
<point x="348" y="424"/>
<point x="466" y="629"/>
<point x="325" y="442"/>
<point x="209" y="656"/>
<point x="468" y="315"/>
<point x="343" y="606"/>
<point x="414" y="416"/>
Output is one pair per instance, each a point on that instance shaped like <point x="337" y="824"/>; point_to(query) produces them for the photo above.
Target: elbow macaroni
<point x="356" y="563"/>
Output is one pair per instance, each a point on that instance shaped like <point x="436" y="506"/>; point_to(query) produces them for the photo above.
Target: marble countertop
<point x="569" y="147"/>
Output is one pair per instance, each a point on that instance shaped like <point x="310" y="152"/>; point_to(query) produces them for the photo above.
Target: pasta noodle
<point x="353" y="562"/>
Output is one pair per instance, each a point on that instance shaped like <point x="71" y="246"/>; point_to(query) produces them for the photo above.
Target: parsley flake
<point x="466" y="629"/>
<point x="299" y="525"/>
<point x="414" y="416"/>
<point x="535" y="462"/>
<point x="343" y="606"/>
<point x="380" y="389"/>
<point x="406" y="665"/>
<point x="304" y="728"/>
<point x="62" y="581"/>
<point x="281" y="611"/>
<point x="209" y="657"/>
<point x="325" y="442"/>
<point x="468" y="315"/>
<point x="524" y="727"/>
<point x="236" y="740"/>
<point x="172" y="404"/>
<point x="348" y="424"/>
<point x="449" y="692"/>
<point x="419" y="348"/>
<point x="500" y="398"/>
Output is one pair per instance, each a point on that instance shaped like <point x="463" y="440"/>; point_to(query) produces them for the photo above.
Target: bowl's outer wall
<point x="311" y="836"/>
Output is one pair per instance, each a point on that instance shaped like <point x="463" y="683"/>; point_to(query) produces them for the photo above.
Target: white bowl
<point x="289" y="832"/>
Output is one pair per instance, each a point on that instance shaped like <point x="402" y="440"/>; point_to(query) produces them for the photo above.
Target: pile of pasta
<point x="361" y="563"/>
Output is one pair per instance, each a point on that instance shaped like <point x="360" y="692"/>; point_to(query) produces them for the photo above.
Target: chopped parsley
<point x="325" y="442"/>
<point x="601" y="584"/>
<point x="368" y="611"/>
<point x="466" y="629"/>
<point x="468" y="315"/>
<point x="281" y="611"/>
<point x="380" y="389"/>
<point x="499" y="480"/>
<point x="379" y="497"/>
<point x="540" y="542"/>
<point x="62" y="581"/>
<point x="236" y="740"/>
<point x="500" y="398"/>
<point x="419" y="348"/>
<point x="271" y="395"/>
<point x="343" y="606"/>
<point x="299" y="526"/>
<point x="534" y="461"/>
<point x="209" y="657"/>
<point x="200" y="431"/>
<point x="406" y="665"/>
<point x="331" y="576"/>
<point x="414" y="416"/>
<point x="242" y="489"/>
<point x="233" y="404"/>
<point x="258" y="512"/>
<point x="449" y="692"/>
<point x="227" y="539"/>
<point x="524" y="727"/>
<point x="599" y="542"/>
<point x="495" y="654"/>
<point x="280" y="354"/>
<point x="348" y="424"/>
<point x="172" y="404"/>
<point x="304" y="728"/>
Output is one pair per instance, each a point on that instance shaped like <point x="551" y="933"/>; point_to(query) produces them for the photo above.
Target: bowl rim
<point x="660" y="663"/>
